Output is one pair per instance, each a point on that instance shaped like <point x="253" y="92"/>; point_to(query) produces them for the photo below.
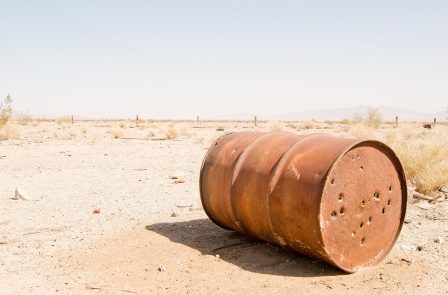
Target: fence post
<point x="255" y="120"/>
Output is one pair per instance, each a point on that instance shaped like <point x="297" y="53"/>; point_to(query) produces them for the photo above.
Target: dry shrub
<point x="424" y="157"/>
<point x="307" y="125"/>
<point x="362" y="131"/>
<point x="372" y="119"/>
<point x="23" y="119"/>
<point x="64" y="120"/>
<point x="171" y="132"/>
<point x="5" y="110"/>
<point x="117" y="132"/>
<point x="9" y="131"/>
<point x="275" y="126"/>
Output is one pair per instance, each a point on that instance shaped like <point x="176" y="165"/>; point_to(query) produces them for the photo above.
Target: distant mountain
<point x="336" y="114"/>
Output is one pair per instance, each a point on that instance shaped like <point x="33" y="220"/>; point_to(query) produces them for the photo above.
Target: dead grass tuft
<point x="117" y="132"/>
<point x="306" y="125"/>
<point x="171" y="132"/>
<point x="64" y="120"/>
<point x="424" y="157"/>
<point x="276" y="126"/>
<point x="10" y="131"/>
<point x="5" y="110"/>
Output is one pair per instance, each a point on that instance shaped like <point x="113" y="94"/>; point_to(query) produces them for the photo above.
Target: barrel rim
<point x="390" y="153"/>
<point x="200" y="179"/>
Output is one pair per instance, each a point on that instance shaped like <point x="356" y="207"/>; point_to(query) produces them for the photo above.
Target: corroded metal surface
<point x="340" y="200"/>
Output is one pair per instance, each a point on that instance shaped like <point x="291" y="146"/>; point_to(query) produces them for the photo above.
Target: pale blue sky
<point x="176" y="59"/>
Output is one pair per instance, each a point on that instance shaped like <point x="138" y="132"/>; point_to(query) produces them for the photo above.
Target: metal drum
<point x="340" y="200"/>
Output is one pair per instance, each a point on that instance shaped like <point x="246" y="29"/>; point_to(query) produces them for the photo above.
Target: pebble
<point x="177" y="175"/>
<point x="161" y="268"/>
<point x="174" y="214"/>
<point x="439" y="240"/>
<point x="217" y="256"/>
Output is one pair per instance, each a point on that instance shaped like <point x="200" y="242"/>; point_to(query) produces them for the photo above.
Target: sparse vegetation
<point x="171" y="133"/>
<point x="117" y="132"/>
<point x="275" y="126"/>
<point x="5" y="110"/>
<point x="9" y="131"/>
<point x="23" y="119"/>
<point x="307" y="125"/>
<point x="65" y="120"/>
<point x="372" y="119"/>
<point x="424" y="157"/>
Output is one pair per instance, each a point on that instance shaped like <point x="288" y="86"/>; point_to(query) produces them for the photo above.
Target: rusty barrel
<point x="337" y="199"/>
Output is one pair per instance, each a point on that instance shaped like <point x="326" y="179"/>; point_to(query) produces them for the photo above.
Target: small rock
<point x="419" y="248"/>
<point x="439" y="240"/>
<point x="393" y="261"/>
<point x="21" y="194"/>
<point x="2" y="242"/>
<point x="174" y="214"/>
<point x="161" y="268"/>
<point x="407" y="220"/>
<point x="220" y="129"/>
<point x="177" y="175"/>
<point x="217" y="256"/>
<point x="177" y="181"/>
<point x="96" y="211"/>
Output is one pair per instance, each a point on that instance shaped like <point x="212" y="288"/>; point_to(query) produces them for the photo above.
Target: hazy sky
<point x="177" y="59"/>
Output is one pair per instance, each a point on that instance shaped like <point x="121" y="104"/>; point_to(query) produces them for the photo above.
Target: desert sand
<point x="105" y="215"/>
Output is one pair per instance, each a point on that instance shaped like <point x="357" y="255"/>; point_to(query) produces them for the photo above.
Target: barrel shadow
<point x="246" y="253"/>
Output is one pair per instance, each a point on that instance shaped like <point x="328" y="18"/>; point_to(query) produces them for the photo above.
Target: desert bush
<point x="23" y="119"/>
<point x="373" y="118"/>
<point x="5" y="110"/>
<point x="275" y="126"/>
<point x="362" y="131"/>
<point x="171" y="132"/>
<point x="9" y="131"/>
<point x="307" y="125"/>
<point x="424" y="157"/>
<point x="65" y="120"/>
<point x="116" y="132"/>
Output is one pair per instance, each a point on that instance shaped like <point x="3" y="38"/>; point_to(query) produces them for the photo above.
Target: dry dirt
<point x="151" y="235"/>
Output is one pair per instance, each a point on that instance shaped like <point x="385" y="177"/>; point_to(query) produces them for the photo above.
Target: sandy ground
<point x="54" y="243"/>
